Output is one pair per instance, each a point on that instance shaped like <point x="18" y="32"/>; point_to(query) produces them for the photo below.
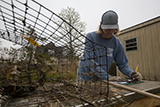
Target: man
<point x="91" y="66"/>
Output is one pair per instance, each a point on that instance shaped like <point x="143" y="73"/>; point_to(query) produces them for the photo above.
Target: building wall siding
<point x="148" y="54"/>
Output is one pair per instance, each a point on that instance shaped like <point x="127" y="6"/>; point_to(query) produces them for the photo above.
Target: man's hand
<point x="136" y="75"/>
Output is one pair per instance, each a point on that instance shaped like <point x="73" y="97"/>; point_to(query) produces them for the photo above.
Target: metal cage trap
<point x="44" y="77"/>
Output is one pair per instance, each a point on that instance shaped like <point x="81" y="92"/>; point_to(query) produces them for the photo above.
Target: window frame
<point x="131" y="43"/>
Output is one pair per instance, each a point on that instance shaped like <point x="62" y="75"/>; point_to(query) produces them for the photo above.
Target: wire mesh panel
<point x="56" y="65"/>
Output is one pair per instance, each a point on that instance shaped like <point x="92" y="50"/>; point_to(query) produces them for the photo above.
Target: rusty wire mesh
<point x="33" y="26"/>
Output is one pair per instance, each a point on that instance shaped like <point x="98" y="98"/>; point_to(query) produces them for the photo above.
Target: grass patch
<point x="62" y="76"/>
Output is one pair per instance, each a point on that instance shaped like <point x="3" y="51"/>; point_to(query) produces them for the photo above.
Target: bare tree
<point x="73" y="18"/>
<point x="70" y="35"/>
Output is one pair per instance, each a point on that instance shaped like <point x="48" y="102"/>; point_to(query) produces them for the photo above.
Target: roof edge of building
<point x="141" y="25"/>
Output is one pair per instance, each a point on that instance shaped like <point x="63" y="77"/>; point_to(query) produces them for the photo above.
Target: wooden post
<point x="133" y="89"/>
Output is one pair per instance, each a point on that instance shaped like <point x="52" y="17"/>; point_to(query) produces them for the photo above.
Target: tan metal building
<point x="142" y="46"/>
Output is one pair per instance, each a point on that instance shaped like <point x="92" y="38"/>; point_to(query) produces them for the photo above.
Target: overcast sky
<point x="130" y="12"/>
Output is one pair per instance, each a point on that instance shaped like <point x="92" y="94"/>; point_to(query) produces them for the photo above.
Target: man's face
<point x="108" y="33"/>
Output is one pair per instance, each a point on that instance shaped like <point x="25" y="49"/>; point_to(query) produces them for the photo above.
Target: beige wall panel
<point x="157" y="51"/>
<point x="148" y="54"/>
<point x="143" y="68"/>
<point x="139" y="55"/>
<point x="154" y="51"/>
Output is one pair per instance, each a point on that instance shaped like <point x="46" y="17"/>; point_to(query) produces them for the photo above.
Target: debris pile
<point x="18" y="80"/>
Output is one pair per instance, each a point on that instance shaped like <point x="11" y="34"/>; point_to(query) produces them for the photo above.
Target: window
<point x="131" y="44"/>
